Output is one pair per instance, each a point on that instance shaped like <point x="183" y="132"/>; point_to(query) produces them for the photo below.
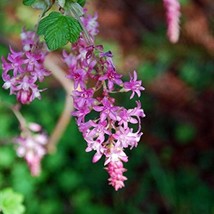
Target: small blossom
<point x="91" y="24"/>
<point x="80" y="114"/>
<point x="112" y="77"/>
<point x="124" y="117"/>
<point x="27" y="91"/>
<point x="126" y="137"/>
<point x="34" y="127"/>
<point x="115" y="154"/>
<point x="28" y="39"/>
<point x="78" y="75"/>
<point x="15" y="62"/>
<point x="83" y="98"/>
<point x="134" y="85"/>
<point x="97" y="132"/>
<point x="107" y="109"/>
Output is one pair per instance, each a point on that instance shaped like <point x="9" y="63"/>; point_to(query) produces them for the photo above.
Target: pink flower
<point x="79" y="77"/>
<point x="91" y="24"/>
<point x="80" y="114"/>
<point x="112" y="77"/>
<point x="116" y="170"/>
<point x="124" y="117"/>
<point x="32" y="61"/>
<point x="173" y="16"/>
<point x="28" y="39"/>
<point x="83" y="98"/>
<point x="126" y="137"/>
<point x="115" y="154"/>
<point x="107" y="133"/>
<point x="23" y="69"/>
<point x="95" y="146"/>
<point x="107" y="109"/>
<point x="97" y="132"/>
<point x="27" y="91"/>
<point x="15" y="63"/>
<point x="31" y="146"/>
<point x="134" y="85"/>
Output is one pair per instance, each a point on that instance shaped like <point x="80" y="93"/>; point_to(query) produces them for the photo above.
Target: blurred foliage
<point x="11" y="202"/>
<point x="171" y="171"/>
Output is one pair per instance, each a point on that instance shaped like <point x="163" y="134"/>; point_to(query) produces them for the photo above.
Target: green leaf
<point x="58" y="30"/>
<point x="81" y="2"/>
<point x="11" y="202"/>
<point x="28" y="2"/>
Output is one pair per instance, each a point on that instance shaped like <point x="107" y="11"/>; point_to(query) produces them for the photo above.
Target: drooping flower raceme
<point x="22" y="69"/>
<point x="95" y="79"/>
<point x="173" y="18"/>
<point x="31" y="146"/>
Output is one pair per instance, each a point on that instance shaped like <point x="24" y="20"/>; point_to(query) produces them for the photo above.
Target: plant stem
<point x="52" y="64"/>
<point x="17" y="113"/>
<point x="85" y="32"/>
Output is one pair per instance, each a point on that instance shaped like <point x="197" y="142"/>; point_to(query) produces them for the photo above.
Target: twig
<point x="52" y="63"/>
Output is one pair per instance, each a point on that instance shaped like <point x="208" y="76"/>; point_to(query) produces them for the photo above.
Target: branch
<point x="52" y="63"/>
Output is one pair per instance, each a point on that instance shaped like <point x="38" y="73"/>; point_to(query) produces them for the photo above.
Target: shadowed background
<point x="171" y="171"/>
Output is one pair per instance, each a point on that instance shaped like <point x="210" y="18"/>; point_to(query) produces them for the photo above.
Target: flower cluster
<point x="31" y="146"/>
<point x="23" y="69"/>
<point x="173" y="17"/>
<point x="95" y="80"/>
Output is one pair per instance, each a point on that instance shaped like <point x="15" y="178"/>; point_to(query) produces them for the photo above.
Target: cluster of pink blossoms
<point x="31" y="146"/>
<point x="173" y="18"/>
<point x="95" y="79"/>
<point x="23" y="69"/>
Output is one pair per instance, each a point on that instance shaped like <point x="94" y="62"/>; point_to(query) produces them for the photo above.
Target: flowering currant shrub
<point x="95" y="81"/>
